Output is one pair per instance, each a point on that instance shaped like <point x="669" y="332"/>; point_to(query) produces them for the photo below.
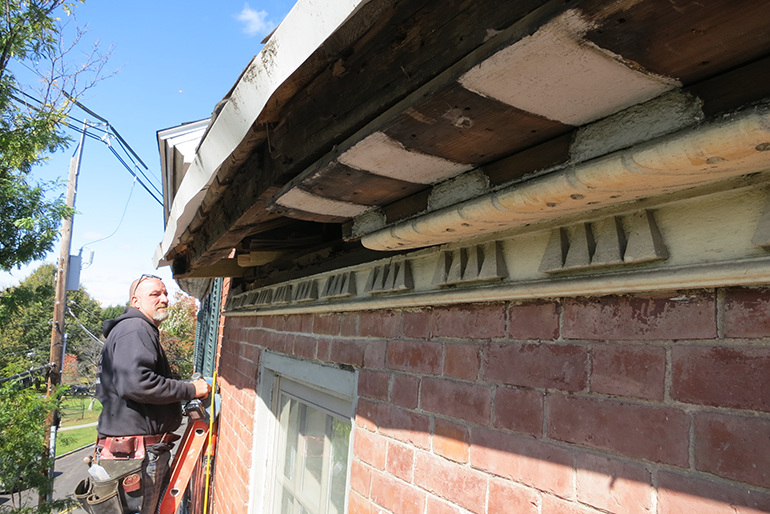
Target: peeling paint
<point x="556" y="73"/>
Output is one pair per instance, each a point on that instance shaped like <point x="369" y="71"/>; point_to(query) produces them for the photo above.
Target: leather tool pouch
<point x="120" y="494"/>
<point x="128" y="447"/>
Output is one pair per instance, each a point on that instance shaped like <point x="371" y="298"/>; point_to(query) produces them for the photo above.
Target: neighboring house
<point x="489" y="256"/>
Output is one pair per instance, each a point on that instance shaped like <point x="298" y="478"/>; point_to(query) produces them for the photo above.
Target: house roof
<point x="402" y="126"/>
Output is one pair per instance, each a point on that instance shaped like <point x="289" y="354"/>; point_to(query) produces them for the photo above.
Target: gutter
<point x="736" y="145"/>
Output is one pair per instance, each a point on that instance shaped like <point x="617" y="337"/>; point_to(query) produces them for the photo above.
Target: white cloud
<point x="255" y="22"/>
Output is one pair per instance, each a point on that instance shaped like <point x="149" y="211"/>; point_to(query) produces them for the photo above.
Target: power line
<point x="122" y="217"/>
<point x="76" y="304"/>
<point x="83" y="328"/>
<point x="145" y="181"/>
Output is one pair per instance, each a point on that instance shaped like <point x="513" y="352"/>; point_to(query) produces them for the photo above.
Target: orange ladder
<point x="187" y="457"/>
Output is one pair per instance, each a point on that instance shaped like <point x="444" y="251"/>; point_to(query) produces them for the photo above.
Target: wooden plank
<point x="413" y="44"/>
<point x="687" y="40"/>
<point x="550" y="153"/>
<point x="222" y="268"/>
<point x="734" y="89"/>
<point x="462" y="126"/>
<point x="344" y="183"/>
<point x="406" y="207"/>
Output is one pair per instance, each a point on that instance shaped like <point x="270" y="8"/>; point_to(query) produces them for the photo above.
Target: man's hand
<point x="202" y="388"/>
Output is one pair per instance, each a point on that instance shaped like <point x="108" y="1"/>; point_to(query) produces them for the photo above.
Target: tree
<point x="177" y="334"/>
<point x="22" y="446"/>
<point x="25" y="324"/>
<point x="32" y="45"/>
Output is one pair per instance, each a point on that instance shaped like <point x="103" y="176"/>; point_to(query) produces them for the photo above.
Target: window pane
<point x="339" y="465"/>
<point x="315" y="457"/>
<point x="289" y="417"/>
<point x="314" y="424"/>
<point x="287" y="503"/>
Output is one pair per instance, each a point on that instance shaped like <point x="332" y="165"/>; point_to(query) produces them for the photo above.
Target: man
<point x="141" y="403"/>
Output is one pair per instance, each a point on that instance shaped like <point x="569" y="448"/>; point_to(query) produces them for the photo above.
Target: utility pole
<point x="58" y="336"/>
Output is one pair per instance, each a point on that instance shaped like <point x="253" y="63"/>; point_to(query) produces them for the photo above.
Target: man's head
<point x="149" y="295"/>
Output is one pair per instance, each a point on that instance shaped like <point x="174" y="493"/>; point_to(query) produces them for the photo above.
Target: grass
<point x="74" y="411"/>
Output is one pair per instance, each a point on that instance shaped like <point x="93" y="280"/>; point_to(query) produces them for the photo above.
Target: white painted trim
<point x="297" y="198"/>
<point x="384" y="156"/>
<point x="334" y="381"/>
<point x="306" y="27"/>
<point x="749" y="272"/>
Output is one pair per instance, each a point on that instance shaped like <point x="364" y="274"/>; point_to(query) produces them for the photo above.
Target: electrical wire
<point x="122" y="217"/>
<point x="110" y="131"/>
<point x="82" y="327"/>
<point x="73" y="302"/>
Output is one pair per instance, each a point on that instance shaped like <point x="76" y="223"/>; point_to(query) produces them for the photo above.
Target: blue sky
<point x="175" y="61"/>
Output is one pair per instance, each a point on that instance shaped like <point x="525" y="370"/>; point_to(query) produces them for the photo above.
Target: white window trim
<point x="337" y="382"/>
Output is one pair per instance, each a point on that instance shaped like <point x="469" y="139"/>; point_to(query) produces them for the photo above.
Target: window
<point x="306" y="410"/>
<point x="312" y="453"/>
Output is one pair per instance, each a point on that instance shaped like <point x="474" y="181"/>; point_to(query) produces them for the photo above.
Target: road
<point x="68" y="471"/>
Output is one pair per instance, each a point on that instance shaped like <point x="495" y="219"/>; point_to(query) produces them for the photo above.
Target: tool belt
<point x="130" y="446"/>
<point x="121" y="493"/>
<point x="122" y="458"/>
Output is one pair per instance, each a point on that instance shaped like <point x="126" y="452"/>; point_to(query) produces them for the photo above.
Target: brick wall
<point x="655" y="403"/>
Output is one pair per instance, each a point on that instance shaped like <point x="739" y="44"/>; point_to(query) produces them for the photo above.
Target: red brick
<point x="360" y="477"/>
<point x="534" y="321"/>
<point x="323" y="349"/>
<point x="287" y="323"/>
<point x="506" y="497"/>
<point x="477" y="321"/>
<point x="373" y="384"/>
<point x="633" y="371"/>
<point x="641" y="317"/>
<point x="462" y="361"/>
<point x="279" y="342"/>
<point x="613" y="485"/>
<point x="366" y="414"/>
<point x="380" y="324"/>
<point x="307" y="322"/>
<point x="370" y="448"/>
<point x="553" y="505"/>
<point x="396" y="496"/>
<point x="641" y="431"/>
<point x="415" y="356"/>
<point x="405" y="391"/>
<point x="733" y="447"/>
<point x="374" y="354"/>
<point x="326" y="324"/>
<point x="523" y="459"/>
<point x="416" y="324"/>
<point x="349" y="324"/>
<point x="682" y="494"/>
<point x="538" y="365"/>
<point x="304" y="346"/>
<point x="400" y="461"/>
<point x="348" y="351"/>
<point x="438" y="506"/>
<point x="268" y="322"/>
<point x="723" y="377"/>
<point x="407" y="426"/>
<point x="520" y="410"/>
<point x="458" y="484"/>
<point x="747" y="312"/>
<point x="451" y="440"/>
<point x="459" y="400"/>
<point x="358" y="505"/>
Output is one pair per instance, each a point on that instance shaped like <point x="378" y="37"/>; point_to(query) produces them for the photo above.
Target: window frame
<point x="325" y="380"/>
